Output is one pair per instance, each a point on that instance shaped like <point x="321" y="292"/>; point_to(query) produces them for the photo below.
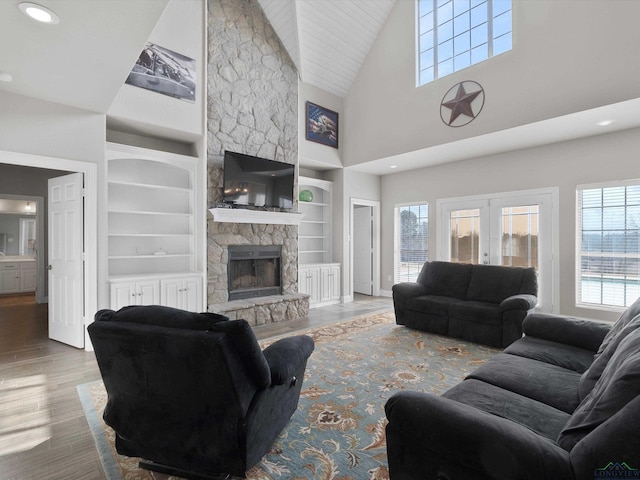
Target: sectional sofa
<point x="561" y="403"/>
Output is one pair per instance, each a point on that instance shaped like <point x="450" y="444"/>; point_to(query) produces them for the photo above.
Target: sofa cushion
<point x="539" y="417"/>
<point x="591" y="376"/>
<point x="429" y="312"/>
<point x="546" y="383"/>
<point x="477" y="312"/>
<point x="617" y="386"/>
<point x="494" y="283"/>
<point x="162" y="316"/>
<point x="433" y="304"/>
<point x="446" y="279"/>
<point x="560" y="354"/>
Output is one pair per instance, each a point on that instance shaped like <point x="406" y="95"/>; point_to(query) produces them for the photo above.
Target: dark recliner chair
<point x="193" y="393"/>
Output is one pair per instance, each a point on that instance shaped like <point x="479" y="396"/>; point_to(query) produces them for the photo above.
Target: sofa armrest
<point x="587" y="334"/>
<point x="286" y="356"/>
<point x="523" y="301"/>
<point x="461" y="437"/>
<point x="409" y="289"/>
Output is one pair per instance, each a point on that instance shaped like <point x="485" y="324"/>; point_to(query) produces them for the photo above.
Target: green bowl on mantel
<point x="306" y="196"/>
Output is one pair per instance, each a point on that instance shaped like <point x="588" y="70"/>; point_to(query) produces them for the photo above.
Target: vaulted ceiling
<point x="328" y="40"/>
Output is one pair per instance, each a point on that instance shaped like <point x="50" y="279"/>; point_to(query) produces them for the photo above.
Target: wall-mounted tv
<point x="257" y="182"/>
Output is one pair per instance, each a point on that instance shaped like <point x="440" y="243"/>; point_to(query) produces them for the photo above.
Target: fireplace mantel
<point x="240" y="215"/>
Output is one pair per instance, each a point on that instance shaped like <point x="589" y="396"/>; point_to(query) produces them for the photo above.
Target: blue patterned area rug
<point x="338" y="431"/>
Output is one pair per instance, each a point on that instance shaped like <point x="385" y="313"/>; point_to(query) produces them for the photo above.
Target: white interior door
<point x="66" y="283"/>
<point x="363" y="250"/>
<point x="507" y="229"/>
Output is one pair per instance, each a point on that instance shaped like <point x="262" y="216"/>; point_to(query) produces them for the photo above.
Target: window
<point x="412" y="238"/>
<point x="608" y="251"/>
<point x="455" y="34"/>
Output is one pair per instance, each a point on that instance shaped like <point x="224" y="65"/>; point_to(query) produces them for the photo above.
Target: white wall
<point x="565" y="165"/>
<point x="312" y="154"/>
<point x="181" y="29"/>
<point x="567" y="56"/>
<point x="49" y="129"/>
<point x="348" y="184"/>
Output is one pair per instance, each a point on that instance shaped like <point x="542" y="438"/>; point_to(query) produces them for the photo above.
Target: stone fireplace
<point x="252" y="108"/>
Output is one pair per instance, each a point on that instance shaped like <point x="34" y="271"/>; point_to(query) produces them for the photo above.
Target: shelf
<point x="149" y="185"/>
<point x="148" y="212"/>
<point x="241" y="215"/>
<point x="166" y="255"/>
<point x="315" y="229"/>
<point x="151" y="206"/>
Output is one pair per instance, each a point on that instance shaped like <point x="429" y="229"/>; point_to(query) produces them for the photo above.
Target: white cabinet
<point x="314" y="232"/>
<point x="321" y="282"/>
<point x="156" y="214"/>
<point x="130" y="292"/>
<point x="184" y="293"/>
<point x="18" y="277"/>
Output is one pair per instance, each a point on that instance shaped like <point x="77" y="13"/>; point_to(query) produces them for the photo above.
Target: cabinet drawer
<point x="9" y="266"/>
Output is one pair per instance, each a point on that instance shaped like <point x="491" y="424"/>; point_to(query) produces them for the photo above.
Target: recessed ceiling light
<point x="39" y="13"/>
<point x="5" y="77"/>
<point x="393" y="166"/>
<point x="604" y="123"/>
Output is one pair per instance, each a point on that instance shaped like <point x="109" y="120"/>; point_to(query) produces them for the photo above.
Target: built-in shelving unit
<point x="317" y="276"/>
<point x="151" y="206"/>
<point x="314" y="234"/>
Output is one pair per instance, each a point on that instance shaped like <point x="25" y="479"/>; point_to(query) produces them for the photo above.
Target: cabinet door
<point x="315" y="286"/>
<point x="123" y="294"/>
<point x="171" y="292"/>
<point x="304" y="285"/>
<point x="28" y="280"/>
<point x="148" y="292"/>
<point x="324" y="284"/>
<point x="334" y="282"/>
<point x="9" y="280"/>
<point x="192" y="294"/>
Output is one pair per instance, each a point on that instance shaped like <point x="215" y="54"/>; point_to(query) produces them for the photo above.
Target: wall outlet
<point x="388" y="278"/>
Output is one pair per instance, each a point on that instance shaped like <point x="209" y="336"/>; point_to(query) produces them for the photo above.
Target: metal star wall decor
<point x="462" y="103"/>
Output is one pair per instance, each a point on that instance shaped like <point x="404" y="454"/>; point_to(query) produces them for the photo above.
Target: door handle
<point x="49" y="267"/>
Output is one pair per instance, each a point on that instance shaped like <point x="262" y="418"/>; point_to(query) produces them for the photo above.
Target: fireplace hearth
<point x="254" y="271"/>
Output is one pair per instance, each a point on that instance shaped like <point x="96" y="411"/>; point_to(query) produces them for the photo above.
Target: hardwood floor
<point x="43" y="431"/>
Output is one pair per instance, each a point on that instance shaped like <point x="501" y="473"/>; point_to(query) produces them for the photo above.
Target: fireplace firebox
<point x="254" y="271"/>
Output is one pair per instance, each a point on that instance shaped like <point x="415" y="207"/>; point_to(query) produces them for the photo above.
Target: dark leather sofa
<point x="193" y="392"/>
<point x="562" y="403"/>
<point x="481" y="303"/>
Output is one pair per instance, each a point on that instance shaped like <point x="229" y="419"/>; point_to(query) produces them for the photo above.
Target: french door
<point x="515" y="229"/>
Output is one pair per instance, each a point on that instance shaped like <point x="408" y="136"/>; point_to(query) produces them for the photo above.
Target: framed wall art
<point x="164" y="71"/>
<point x="322" y="125"/>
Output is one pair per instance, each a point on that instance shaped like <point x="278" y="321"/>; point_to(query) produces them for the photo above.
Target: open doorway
<point x="16" y="172"/>
<point x="21" y="244"/>
<point x="365" y="247"/>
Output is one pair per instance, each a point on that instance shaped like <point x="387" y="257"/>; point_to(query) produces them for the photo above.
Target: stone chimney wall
<point x="252" y="108"/>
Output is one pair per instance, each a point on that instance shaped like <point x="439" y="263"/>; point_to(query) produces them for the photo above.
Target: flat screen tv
<point x="257" y="182"/>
